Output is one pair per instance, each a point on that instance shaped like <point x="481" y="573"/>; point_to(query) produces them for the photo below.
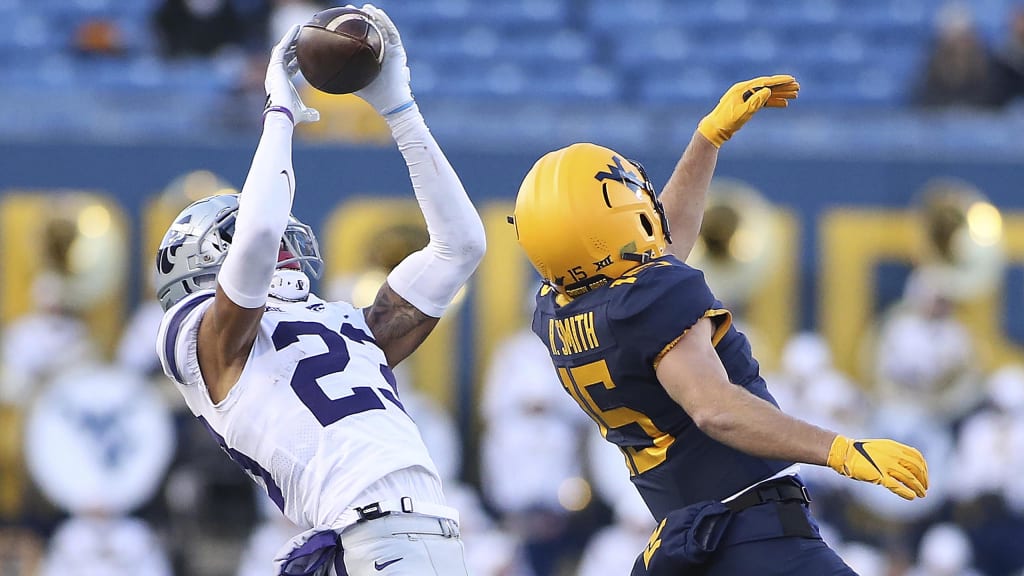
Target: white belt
<point x="791" y="470"/>
<point x="405" y="505"/>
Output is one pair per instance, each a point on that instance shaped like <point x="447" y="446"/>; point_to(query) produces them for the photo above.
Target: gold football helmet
<point x="586" y="215"/>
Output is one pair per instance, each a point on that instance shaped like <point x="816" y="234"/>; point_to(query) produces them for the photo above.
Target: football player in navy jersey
<point x="641" y="343"/>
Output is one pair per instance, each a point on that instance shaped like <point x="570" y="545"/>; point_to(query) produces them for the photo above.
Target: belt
<point x="405" y="505"/>
<point x="778" y="490"/>
<point x="789" y="496"/>
<point x="397" y="525"/>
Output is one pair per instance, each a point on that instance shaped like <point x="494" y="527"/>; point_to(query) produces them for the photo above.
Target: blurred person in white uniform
<point x="491" y="550"/>
<point x="809" y="386"/>
<point x="924" y="355"/>
<point x="865" y="559"/>
<point x="944" y="551"/>
<point x="997" y="430"/>
<point x="287" y="13"/>
<point x="530" y="446"/>
<point x="916" y="425"/>
<point x="39" y="345"/>
<point x="613" y="549"/>
<point x="90" y="546"/>
<point x="273" y="532"/>
<point x="98" y="442"/>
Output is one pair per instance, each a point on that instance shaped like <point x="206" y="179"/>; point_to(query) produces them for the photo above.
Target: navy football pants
<point x="788" y="556"/>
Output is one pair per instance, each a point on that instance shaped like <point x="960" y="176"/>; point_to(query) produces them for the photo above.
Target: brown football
<point x="340" y="50"/>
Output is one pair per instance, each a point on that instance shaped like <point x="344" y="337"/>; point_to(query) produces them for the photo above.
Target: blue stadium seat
<point x="693" y="85"/>
<point x="533" y="55"/>
<point x="499" y="13"/>
<point x="53" y="72"/>
<point x="797" y="13"/>
<point x="28" y="30"/>
<point x="669" y="45"/>
<point x="634" y="20"/>
<point x="574" y="84"/>
<point x="138" y="10"/>
<point x="137" y="34"/>
<point x="514" y="82"/>
<point x="485" y="43"/>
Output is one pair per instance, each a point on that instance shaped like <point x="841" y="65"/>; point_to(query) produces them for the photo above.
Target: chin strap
<point x="289" y="285"/>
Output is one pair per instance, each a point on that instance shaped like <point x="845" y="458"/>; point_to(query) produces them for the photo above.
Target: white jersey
<point x="315" y="416"/>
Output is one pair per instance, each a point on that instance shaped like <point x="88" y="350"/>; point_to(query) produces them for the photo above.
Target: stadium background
<point x="104" y="113"/>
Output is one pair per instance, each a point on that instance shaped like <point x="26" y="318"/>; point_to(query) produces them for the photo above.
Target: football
<point x="340" y="50"/>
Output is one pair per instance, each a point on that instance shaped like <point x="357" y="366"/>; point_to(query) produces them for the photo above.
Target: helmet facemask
<point x="644" y="182"/>
<point x="196" y="245"/>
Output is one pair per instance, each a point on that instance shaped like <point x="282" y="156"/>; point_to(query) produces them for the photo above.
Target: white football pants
<point x="403" y="545"/>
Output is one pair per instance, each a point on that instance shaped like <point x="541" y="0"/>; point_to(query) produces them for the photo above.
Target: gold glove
<point x="896" y="466"/>
<point x="741" y="102"/>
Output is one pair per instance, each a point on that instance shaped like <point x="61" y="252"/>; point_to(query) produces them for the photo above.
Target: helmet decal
<point x="620" y="174"/>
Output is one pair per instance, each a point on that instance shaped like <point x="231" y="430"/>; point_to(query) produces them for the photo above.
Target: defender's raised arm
<point x="420" y="288"/>
<point x="264" y="206"/>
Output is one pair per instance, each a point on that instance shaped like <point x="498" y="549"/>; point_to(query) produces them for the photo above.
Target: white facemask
<point x="289" y="285"/>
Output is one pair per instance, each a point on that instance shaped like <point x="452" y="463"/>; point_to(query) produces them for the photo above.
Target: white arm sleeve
<point x="263" y="210"/>
<point x="430" y="278"/>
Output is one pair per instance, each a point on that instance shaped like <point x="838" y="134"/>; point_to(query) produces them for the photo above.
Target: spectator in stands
<point x="530" y="448"/>
<point x="945" y="550"/>
<point x="98" y="440"/>
<point x="273" y="531"/>
<point x="197" y="27"/>
<point x="1010" y="57"/>
<point x="925" y="356"/>
<point x="960" y="70"/>
<point x="996" y="429"/>
<point x="613" y="549"/>
<point x="286" y="13"/>
<point x="864" y="558"/>
<point x="105" y="546"/>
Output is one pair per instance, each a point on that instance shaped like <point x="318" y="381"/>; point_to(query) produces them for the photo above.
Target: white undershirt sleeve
<point x="263" y="210"/>
<point x="430" y="279"/>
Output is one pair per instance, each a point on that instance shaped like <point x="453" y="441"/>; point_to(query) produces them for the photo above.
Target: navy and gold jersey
<point x="605" y="346"/>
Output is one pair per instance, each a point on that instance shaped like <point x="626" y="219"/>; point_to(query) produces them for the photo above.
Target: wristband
<point x="286" y="111"/>
<point x="400" y="108"/>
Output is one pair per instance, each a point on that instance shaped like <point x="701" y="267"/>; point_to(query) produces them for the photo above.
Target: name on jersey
<point x="572" y="335"/>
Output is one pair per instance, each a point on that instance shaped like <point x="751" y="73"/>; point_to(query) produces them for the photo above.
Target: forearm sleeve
<point x="430" y="278"/>
<point x="263" y="210"/>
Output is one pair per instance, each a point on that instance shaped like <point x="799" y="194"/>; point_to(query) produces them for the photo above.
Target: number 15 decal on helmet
<point x="586" y="215"/>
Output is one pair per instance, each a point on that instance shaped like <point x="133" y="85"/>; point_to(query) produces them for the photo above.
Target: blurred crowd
<point x="963" y="66"/>
<point x="104" y="471"/>
<point x="960" y="63"/>
<point x="965" y="69"/>
<point x="238" y="33"/>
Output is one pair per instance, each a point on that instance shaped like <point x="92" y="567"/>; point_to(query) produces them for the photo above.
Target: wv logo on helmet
<point x="619" y="174"/>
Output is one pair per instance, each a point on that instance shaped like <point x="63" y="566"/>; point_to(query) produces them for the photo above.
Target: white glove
<point x="281" y="93"/>
<point x="389" y="93"/>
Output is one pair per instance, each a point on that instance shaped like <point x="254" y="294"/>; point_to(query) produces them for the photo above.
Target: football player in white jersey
<point x="297" y="390"/>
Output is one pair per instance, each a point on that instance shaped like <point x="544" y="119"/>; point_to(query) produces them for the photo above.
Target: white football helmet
<point x="194" y="248"/>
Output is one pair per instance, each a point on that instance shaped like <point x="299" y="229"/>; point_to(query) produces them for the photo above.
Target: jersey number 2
<point x="310" y="369"/>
